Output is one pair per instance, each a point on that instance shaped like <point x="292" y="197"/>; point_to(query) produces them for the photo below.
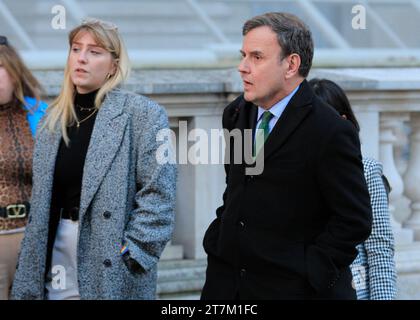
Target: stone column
<point x="412" y="176"/>
<point x="200" y="183"/>
<point x="369" y="133"/>
<point x="387" y="139"/>
<point x="173" y="251"/>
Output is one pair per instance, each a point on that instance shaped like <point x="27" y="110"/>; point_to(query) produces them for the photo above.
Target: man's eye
<point x="75" y="49"/>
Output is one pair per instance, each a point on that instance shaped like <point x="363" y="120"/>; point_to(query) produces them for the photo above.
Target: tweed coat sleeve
<point x="379" y="246"/>
<point x="151" y="223"/>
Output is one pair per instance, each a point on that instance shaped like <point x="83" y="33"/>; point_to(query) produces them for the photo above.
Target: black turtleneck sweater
<point x="71" y="159"/>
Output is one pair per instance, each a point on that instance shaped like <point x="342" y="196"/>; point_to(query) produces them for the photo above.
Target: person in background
<point x="21" y="109"/>
<point x="374" y="274"/>
<point x="103" y="205"/>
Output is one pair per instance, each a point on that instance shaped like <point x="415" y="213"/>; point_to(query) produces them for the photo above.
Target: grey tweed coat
<point x="122" y="177"/>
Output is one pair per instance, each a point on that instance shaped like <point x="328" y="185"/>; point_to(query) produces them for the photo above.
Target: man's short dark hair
<point x="292" y="34"/>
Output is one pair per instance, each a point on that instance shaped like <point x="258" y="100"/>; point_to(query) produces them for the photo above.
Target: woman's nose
<point x="82" y="56"/>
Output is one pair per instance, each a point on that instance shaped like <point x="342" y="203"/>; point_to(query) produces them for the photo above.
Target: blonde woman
<point x="20" y="111"/>
<point x="103" y="207"/>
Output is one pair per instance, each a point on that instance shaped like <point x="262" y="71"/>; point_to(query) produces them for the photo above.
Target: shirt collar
<point x="279" y="107"/>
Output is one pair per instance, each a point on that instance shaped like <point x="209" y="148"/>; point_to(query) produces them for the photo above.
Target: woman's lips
<point x="79" y="70"/>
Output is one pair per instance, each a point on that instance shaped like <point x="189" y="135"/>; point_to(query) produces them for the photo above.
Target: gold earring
<point x="108" y="76"/>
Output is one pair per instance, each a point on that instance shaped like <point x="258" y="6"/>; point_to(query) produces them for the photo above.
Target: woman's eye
<point x="95" y="52"/>
<point x="75" y="49"/>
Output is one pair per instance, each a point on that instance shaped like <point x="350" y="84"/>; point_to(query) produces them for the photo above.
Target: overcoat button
<point x="107" y="263"/>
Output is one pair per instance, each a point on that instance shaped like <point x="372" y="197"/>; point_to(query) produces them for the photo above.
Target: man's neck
<point x="289" y="88"/>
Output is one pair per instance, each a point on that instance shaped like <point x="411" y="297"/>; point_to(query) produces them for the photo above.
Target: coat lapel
<point x="47" y="144"/>
<point x="246" y="120"/>
<point x="296" y="110"/>
<point x="105" y="141"/>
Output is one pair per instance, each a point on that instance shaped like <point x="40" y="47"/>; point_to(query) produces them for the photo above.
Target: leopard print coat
<point x="16" y="144"/>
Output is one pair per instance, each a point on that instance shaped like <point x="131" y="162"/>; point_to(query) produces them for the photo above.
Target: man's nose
<point x="243" y="66"/>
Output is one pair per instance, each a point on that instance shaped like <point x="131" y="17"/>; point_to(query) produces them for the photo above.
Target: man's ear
<point x="294" y="65"/>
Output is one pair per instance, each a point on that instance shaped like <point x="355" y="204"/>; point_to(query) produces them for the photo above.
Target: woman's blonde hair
<point x="24" y="83"/>
<point x="106" y="36"/>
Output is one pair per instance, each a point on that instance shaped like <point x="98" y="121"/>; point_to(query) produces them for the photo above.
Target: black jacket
<point x="290" y="232"/>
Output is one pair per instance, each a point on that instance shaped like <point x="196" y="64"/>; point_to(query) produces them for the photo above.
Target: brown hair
<point x="292" y="34"/>
<point x="25" y="84"/>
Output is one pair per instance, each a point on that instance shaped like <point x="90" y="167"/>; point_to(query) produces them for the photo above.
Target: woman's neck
<point x="85" y="100"/>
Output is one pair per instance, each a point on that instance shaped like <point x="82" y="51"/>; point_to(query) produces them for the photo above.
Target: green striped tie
<point x="262" y="132"/>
